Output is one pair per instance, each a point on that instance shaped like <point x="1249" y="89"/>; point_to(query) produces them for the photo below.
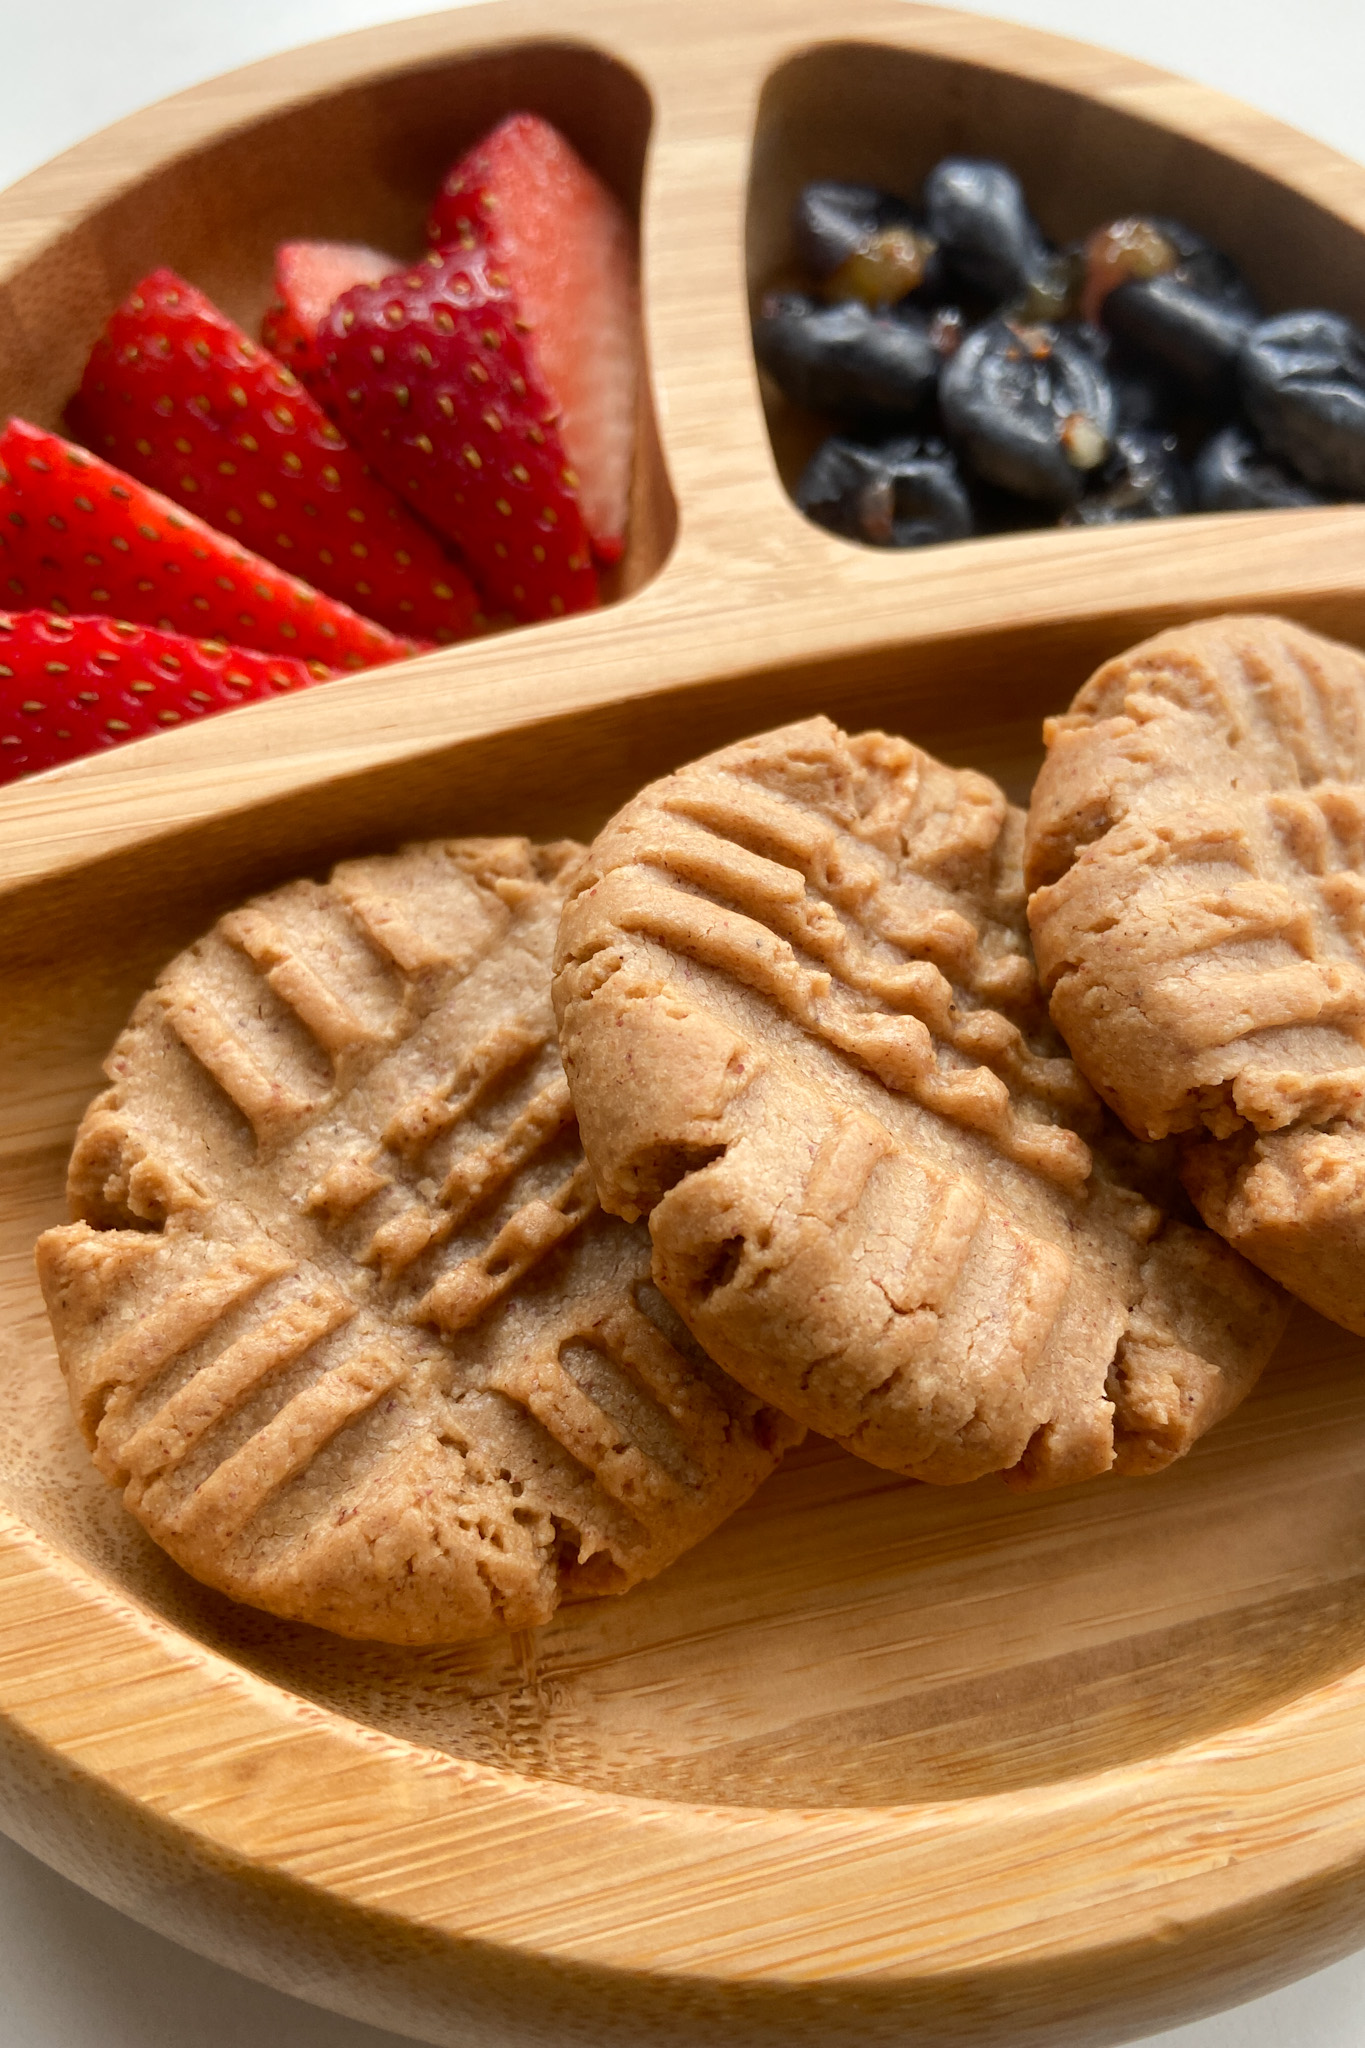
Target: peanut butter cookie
<point x="340" y="1313"/>
<point x="1196" y="852"/>
<point x="804" y="1037"/>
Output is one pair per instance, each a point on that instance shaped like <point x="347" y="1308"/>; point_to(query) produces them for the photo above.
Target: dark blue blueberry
<point x="1206" y="270"/>
<point x="899" y="494"/>
<point x="1194" y="338"/>
<point x="1030" y="408"/>
<point x="987" y="239"/>
<point x="1303" y="383"/>
<point x="835" y="222"/>
<point x="1144" y="478"/>
<point x="1234" y="474"/>
<point x="847" y="359"/>
<point x="1143" y="396"/>
<point x="1144" y="247"/>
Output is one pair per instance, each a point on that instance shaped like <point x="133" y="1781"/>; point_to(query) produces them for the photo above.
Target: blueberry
<point x="902" y="494"/>
<point x="1031" y="408"/>
<point x="833" y="220"/>
<point x="1144" y="246"/>
<point x="1144" y="478"/>
<point x="1196" y="339"/>
<point x="865" y="244"/>
<point x="846" y="359"/>
<point x="989" y="241"/>
<point x="1142" y="396"/>
<point x="1234" y="474"/>
<point x="1206" y="269"/>
<point x="1303" y="383"/>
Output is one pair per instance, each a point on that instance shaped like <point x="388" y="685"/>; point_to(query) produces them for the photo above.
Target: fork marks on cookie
<point x="806" y="1040"/>
<point x="379" y="1364"/>
<point x="871" y="958"/>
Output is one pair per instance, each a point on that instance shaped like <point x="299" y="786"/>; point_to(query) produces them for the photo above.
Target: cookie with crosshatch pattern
<point x="1196" y="853"/>
<point x="340" y="1313"/>
<point x="805" y="1038"/>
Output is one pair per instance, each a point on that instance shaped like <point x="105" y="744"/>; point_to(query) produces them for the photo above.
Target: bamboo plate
<point x="877" y="1762"/>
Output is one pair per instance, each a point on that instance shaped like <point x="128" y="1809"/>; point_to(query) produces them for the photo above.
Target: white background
<point x="74" y="1974"/>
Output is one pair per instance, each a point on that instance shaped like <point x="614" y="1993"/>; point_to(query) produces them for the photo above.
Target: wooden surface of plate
<point x="877" y="1762"/>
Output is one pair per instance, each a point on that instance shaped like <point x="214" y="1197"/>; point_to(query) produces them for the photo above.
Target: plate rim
<point x="1196" y="1835"/>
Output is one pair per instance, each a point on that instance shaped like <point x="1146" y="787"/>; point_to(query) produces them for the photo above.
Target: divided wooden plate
<point x="877" y="1762"/>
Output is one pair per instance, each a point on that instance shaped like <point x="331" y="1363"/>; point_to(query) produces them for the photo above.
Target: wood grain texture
<point x="876" y="1762"/>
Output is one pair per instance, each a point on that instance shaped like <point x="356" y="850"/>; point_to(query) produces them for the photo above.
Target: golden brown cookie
<point x="1196" y="851"/>
<point x="805" y="1038"/>
<point x="341" y="1314"/>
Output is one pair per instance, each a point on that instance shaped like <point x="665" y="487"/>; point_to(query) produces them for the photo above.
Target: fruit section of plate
<point x="981" y="380"/>
<point x="411" y="455"/>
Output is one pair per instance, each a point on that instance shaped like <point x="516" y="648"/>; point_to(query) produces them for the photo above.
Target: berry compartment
<point x="877" y="115"/>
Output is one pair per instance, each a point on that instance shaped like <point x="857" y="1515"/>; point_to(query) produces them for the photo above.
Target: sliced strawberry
<point x="70" y="687"/>
<point x="309" y="279"/>
<point x="77" y="535"/>
<point x="178" y="396"/>
<point x="568" y="252"/>
<point x="428" y="375"/>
